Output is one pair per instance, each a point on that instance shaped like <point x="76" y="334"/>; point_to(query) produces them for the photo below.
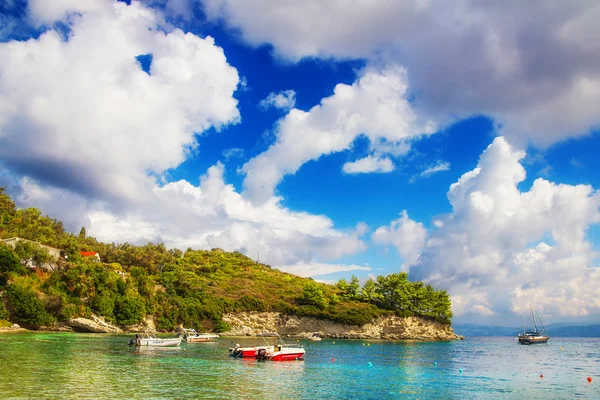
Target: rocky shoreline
<point x="255" y="323"/>
<point x="389" y="327"/>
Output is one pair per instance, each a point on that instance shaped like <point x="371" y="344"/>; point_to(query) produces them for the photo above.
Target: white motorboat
<point x="191" y="336"/>
<point x="150" y="340"/>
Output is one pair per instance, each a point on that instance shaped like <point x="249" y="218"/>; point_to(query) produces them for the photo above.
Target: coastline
<point x="253" y="324"/>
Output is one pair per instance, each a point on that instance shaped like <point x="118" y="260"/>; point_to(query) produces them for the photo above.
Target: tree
<point x="368" y="291"/>
<point x="312" y="294"/>
<point x="353" y="288"/>
<point x="393" y="291"/>
<point x="342" y="285"/>
<point x="9" y="261"/>
<point x="130" y="310"/>
<point x="7" y="207"/>
<point x="82" y="233"/>
<point x="26" y="308"/>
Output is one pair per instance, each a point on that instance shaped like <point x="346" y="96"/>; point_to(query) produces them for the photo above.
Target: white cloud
<point x="376" y="106"/>
<point x="94" y="121"/>
<point x="233" y="152"/>
<point x="534" y="68"/>
<point x="318" y="269"/>
<point x="482" y="252"/>
<point x="210" y="215"/>
<point x="406" y="235"/>
<point x="438" y="167"/>
<point x="285" y="100"/>
<point x="88" y="136"/>
<point x="369" y="164"/>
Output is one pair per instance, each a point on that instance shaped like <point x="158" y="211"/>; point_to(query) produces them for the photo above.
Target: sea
<point x="96" y="366"/>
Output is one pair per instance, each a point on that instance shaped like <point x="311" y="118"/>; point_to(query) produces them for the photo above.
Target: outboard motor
<point x="262" y="354"/>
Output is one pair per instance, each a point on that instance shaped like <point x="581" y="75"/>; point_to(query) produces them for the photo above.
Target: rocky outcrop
<point x="147" y="325"/>
<point x="95" y="324"/>
<point x="12" y="328"/>
<point x="389" y="327"/>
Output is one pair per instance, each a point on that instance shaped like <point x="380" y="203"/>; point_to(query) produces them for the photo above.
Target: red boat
<point x="281" y="351"/>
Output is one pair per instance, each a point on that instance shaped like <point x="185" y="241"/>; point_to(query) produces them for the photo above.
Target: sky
<point x="455" y="141"/>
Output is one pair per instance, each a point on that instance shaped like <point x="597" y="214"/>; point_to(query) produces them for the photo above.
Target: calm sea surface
<point x="91" y="366"/>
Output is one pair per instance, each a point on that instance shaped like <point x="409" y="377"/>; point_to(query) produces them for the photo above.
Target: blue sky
<point x="463" y="154"/>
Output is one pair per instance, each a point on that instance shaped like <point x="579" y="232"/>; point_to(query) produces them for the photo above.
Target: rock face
<point x="390" y="327"/>
<point x="95" y="325"/>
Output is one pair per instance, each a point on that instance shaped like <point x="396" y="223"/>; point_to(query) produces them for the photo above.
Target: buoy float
<point x="561" y="348"/>
<point x="370" y="365"/>
<point x="363" y="345"/>
<point x="542" y="376"/>
<point x="334" y="342"/>
<point x="368" y="344"/>
<point x="589" y="379"/>
<point x="435" y="364"/>
<point x="332" y="359"/>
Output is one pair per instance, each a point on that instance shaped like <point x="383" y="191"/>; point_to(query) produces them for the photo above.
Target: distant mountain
<point x="555" y="330"/>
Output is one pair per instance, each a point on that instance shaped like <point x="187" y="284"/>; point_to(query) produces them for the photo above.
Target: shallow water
<point x="93" y="366"/>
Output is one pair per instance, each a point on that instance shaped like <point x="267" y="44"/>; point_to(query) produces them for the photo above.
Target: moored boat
<point x="315" y="337"/>
<point x="191" y="336"/>
<point x="537" y="335"/>
<point x="150" y="340"/>
<point x="280" y="351"/>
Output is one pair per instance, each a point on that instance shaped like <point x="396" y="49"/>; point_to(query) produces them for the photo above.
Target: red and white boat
<point x="281" y="351"/>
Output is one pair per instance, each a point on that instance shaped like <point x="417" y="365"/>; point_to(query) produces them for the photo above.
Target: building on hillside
<point x="93" y="255"/>
<point x="55" y="253"/>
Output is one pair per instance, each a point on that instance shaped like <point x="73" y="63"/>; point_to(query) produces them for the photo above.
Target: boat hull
<point x="201" y="339"/>
<point x="292" y="356"/>
<point x="533" y="340"/>
<point x="268" y="353"/>
<point x="158" y="342"/>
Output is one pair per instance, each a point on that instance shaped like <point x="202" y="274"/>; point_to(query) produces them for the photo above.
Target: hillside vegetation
<point x="194" y="288"/>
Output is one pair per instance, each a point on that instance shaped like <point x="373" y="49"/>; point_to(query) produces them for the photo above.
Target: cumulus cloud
<point x="406" y="235"/>
<point x="502" y="249"/>
<point x="376" y="106"/>
<point x="94" y="121"/>
<point x="209" y="215"/>
<point x="87" y="135"/>
<point x="285" y="100"/>
<point x="534" y="68"/>
<point x="369" y="164"/>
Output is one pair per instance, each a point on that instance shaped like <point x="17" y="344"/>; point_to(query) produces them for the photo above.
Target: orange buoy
<point x="333" y="359"/>
<point x="542" y="376"/>
<point x="589" y="379"/>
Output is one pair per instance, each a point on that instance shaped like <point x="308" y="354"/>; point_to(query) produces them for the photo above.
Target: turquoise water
<point x="91" y="366"/>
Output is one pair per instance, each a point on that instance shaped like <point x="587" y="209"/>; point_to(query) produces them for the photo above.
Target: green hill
<point x="193" y="288"/>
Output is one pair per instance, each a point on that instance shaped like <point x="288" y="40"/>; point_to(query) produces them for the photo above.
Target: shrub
<point x="26" y="308"/>
<point x="129" y="310"/>
<point x="221" y="326"/>
<point x="9" y="262"/>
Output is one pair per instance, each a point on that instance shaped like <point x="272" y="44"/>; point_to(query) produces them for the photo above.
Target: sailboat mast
<point x="533" y="319"/>
<point x="523" y="316"/>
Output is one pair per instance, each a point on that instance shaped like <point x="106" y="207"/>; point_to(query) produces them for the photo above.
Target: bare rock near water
<point x="389" y="327"/>
<point x="95" y="324"/>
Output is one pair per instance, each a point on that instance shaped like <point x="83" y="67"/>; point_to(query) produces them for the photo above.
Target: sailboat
<point x="538" y="334"/>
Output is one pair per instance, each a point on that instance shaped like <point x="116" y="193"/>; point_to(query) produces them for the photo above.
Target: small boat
<point x="191" y="336"/>
<point x="315" y="337"/>
<point x="150" y="340"/>
<point x="536" y="336"/>
<point x="280" y="351"/>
